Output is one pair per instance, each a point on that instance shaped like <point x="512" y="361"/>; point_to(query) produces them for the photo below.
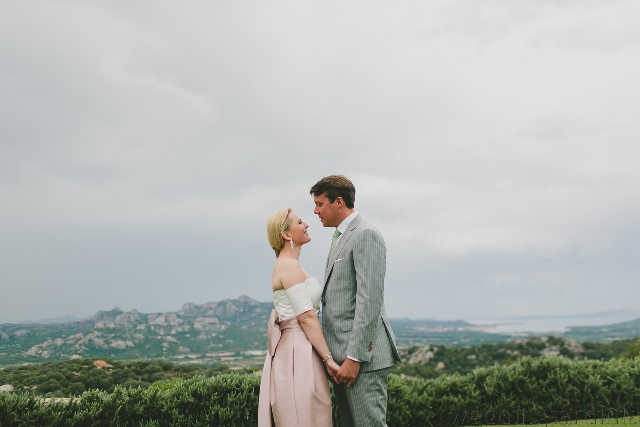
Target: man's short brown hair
<point x="334" y="186"/>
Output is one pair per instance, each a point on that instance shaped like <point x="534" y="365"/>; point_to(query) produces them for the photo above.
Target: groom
<point x="354" y="320"/>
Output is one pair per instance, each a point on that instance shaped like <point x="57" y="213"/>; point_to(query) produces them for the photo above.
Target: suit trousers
<point x="364" y="404"/>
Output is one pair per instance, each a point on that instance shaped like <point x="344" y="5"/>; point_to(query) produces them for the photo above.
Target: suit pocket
<point x="346" y="325"/>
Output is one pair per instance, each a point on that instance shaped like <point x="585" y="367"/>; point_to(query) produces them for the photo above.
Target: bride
<point x="294" y="390"/>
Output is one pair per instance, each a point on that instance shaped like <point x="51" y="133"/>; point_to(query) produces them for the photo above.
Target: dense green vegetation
<point x="528" y="391"/>
<point x="73" y="377"/>
<point x="223" y="400"/>
<point x="612" y="421"/>
<point x="433" y="361"/>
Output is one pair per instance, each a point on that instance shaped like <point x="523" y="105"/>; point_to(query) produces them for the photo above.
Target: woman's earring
<point x="291" y="243"/>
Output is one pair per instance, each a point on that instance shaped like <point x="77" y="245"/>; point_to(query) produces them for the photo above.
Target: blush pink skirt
<point x="294" y="389"/>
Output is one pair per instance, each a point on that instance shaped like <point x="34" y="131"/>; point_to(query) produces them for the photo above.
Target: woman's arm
<point x="291" y="274"/>
<point x="313" y="330"/>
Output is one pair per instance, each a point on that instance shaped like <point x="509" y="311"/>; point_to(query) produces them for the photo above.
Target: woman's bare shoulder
<point x="288" y="272"/>
<point x="284" y="265"/>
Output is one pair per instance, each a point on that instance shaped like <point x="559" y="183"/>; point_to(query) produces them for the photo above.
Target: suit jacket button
<point x="370" y="345"/>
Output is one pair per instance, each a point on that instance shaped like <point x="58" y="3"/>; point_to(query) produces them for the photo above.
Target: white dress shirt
<point x="344" y="224"/>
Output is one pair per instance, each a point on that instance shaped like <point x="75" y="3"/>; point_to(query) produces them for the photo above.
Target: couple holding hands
<point x="354" y="345"/>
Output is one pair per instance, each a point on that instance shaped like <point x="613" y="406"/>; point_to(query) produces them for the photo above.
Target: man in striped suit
<point x="354" y="320"/>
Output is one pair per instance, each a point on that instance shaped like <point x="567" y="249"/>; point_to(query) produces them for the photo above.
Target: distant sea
<point x="552" y="324"/>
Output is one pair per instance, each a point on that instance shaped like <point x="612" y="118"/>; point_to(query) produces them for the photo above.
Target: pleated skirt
<point x="294" y="389"/>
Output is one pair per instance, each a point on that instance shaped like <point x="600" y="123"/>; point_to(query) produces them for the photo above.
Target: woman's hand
<point x="332" y="368"/>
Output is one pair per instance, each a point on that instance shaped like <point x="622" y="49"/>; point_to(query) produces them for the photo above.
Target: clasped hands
<point x="345" y="374"/>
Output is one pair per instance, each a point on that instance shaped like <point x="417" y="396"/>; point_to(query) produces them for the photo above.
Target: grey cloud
<point x="142" y="146"/>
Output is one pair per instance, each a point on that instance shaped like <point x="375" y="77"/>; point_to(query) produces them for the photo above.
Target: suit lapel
<point x="341" y="244"/>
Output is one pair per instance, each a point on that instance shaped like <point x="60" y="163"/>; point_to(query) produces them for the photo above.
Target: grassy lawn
<point x="592" y="422"/>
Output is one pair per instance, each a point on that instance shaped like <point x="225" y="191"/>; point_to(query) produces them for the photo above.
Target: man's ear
<point x="339" y="202"/>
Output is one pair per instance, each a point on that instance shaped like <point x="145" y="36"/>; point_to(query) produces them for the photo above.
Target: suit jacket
<point x="354" y="319"/>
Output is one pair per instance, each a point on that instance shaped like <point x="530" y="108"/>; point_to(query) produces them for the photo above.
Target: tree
<point x="633" y="350"/>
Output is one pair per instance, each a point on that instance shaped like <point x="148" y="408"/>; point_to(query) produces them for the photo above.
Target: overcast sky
<point x="495" y="144"/>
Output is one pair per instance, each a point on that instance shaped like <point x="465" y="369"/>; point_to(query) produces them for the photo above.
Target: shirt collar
<point x="345" y="222"/>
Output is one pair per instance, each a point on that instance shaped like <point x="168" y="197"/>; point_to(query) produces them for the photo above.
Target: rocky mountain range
<point x="231" y="331"/>
<point x="200" y="333"/>
<point x="215" y="332"/>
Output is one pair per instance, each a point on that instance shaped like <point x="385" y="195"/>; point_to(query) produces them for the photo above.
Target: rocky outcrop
<point x="191" y="331"/>
<point x="422" y="355"/>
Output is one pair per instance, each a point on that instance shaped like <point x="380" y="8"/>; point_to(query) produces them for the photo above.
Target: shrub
<point x="526" y="391"/>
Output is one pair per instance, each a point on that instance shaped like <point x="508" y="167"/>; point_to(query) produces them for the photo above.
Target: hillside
<point x="605" y="333"/>
<point x="431" y="361"/>
<point x="458" y="332"/>
<point x="231" y="332"/>
<point x="215" y="331"/>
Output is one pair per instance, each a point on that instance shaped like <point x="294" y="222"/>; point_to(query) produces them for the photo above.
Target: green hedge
<point x="223" y="400"/>
<point x="528" y="391"/>
<point x="73" y="377"/>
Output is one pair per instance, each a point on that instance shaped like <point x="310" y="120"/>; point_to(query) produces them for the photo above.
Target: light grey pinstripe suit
<point x="354" y="322"/>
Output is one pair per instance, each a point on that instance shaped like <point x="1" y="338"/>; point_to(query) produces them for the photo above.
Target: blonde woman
<point x="294" y="389"/>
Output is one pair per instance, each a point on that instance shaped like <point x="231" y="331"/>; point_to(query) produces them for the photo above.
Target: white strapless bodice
<point x="298" y="298"/>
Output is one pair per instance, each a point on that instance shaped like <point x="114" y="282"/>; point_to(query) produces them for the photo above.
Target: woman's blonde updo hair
<point x="277" y="224"/>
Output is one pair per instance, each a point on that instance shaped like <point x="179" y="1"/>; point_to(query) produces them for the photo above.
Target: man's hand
<point x="348" y="372"/>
